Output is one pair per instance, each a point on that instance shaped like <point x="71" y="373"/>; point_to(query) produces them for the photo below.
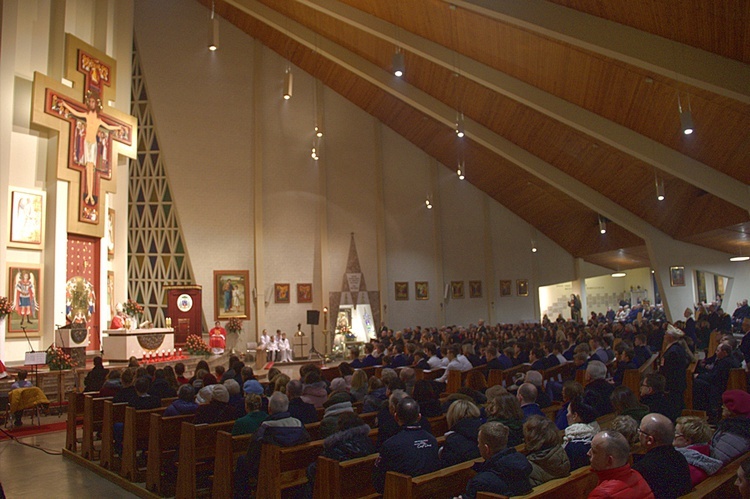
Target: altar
<point x="121" y="344"/>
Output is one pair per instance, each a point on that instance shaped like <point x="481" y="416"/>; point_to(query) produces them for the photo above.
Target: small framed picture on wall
<point x="304" y="293"/>
<point x="522" y="287"/>
<point x="24" y="293"/>
<point x="506" y="288"/>
<point x="230" y="294"/>
<point x="26" y="218"/>
<point x="422" y="290"/>
<point x="402" y="291"/>
<point x="475" y="289"/>
<point x="457" y="289"/>
<point x="676" y="276"/>
<point x="281" y="293"/>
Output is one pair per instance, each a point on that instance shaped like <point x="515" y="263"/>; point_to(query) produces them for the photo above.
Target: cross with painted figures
<point x="92" y="133"/>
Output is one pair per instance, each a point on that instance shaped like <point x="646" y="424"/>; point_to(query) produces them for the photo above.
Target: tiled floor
<point x="29" y="472"/>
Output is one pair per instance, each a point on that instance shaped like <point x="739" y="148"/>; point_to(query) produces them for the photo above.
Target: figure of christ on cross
<point x="93" y="123"/>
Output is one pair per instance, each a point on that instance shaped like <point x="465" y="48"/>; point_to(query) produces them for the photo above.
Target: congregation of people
<point x="637" y="444"/>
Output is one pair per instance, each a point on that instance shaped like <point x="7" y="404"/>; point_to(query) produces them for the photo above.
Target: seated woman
<point x="732" y="437"/>
<point x="185" y="403"/>
<point x="427" y="395"/>
<point x="545" y="453"/>
<point x="461" y="439"/>
<point x="570" y="390"/>
<point x="254" y="417"/>
<point x="359" y="385"/>
<point x="506" y="409"/>
<point x="582" y="427"/>
<point x="629" y="429"/>
<point x="625" y="403"/>
<point x="112" y="384"/>
<point x="94" y="380"/>
<point x="691" y="436"/>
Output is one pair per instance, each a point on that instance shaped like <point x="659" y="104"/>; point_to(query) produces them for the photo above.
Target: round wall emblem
<point x="184" y="302"/>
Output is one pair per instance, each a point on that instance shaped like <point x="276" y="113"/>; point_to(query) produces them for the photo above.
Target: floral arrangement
<point x="132" y="308"/>
<point x="57" y="359"/>
<point x="234" y="325"/>
<point x="196" y="346"/>
<point x="6" y="307"/>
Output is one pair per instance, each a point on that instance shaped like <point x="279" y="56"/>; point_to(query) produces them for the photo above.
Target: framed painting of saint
<point x="402" y="291"/>
<point x="475" y="289"/>
<point x="676" y="276"/>
<point x="281" y="293"/>
<point x="457" y="290"/>
<point x="304" y="293"/>
<point x="26" y="218"/>
<point x="422" y="290"/>
<point x="522" y="287"/>
<point x="230" y="294"/>
<point x="24" y="292"/>
<point x="506" y="288"/>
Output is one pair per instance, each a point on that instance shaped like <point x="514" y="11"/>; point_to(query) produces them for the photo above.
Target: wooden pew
<point x="196" y="454"/>
<point x="285" y="467"/>
<point x="721" y="484"/>
<point x="688" y="396"/>
<point x="163" y="442"/>
<point x="75" y="417"/>
<point x="737" y="380"/>
<point x="136" y="437"/>
<point x="447" y="482"/>
<point x="93" y="417"/>
<point x="113" y="413"/>
<point x="438" y="425"/>
<point x="580" y="483"/>
<point x="551" y="411"/>
<point x="228" y="449"/>
<point x="713" y="341"/>
<point x="632" y="377"/>
<point x="334" y="479"/>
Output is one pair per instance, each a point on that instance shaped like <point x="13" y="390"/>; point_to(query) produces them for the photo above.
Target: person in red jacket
<point x="609" y="460"/>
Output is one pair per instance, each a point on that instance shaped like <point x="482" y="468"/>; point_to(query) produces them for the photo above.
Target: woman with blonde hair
<point x="280" y="382"/>
<point x="691" y="437"/>
<point x="545" y="453"/>
<point x="359" y="385"/>
<point x="461" y="440"/>
<point x="506" y="409"/>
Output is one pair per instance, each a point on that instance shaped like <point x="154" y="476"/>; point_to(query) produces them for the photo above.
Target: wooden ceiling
<point x="590" y="175"/>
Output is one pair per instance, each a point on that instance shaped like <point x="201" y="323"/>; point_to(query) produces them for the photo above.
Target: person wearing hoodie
<point x="314" y="390"/>
<point x="375" y="397"/>
<point x="506" y="409"/>
<point x="185" y="403"/>
<point x="582" y="427"/>
<point x="160" y="387"/>
<point x="609" y="455"/>
<point x="544" y="450"/>
<point x="338" y="403"/>
<point x="461" y="440"/>
<point x="350" y="441"/>
<point x="732" y="437"/>
<point x="691" y="438"/>
<point x="504" y="470"/>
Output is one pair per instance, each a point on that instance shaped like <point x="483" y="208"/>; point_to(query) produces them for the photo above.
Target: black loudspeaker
<point x="313" y="317"/>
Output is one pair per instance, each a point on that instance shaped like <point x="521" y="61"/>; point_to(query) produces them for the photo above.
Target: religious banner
<point x="93" y="134"/>
<point x="25" y="292"/>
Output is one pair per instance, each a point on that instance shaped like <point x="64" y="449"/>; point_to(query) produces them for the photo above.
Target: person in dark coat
<point x="127" y="392"/>
<point x="625" y="355"/>
<point x="665" y="470"/>
<point x="674" y="364"/>
<point x="160" y="387"/>
<point x="94" y="380"/>
<point x="653" y="395"/>
<point x="597" y="392"/>
<point x="711" y="381"/>
<point x="217" y="408"/>
<point x="298" y="408"/>
<point x="412" y="451"/>
<point x="461" y="440"/>
<point x="350" y="441"/>
<point x="185" y="403"/>
<point x="112" y="385"/>
<point x="504" y="470"/>
<point x="527" y="394"/>
<point x="387" y="424"/>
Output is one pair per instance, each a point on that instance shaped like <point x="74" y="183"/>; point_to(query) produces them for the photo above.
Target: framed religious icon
<point x="422" y="290"/>
<point x="457" y="289"/>
<point x="230" y="294"/>
<point x="506" y="288"/>
<point x="402" y="291"/>
<point x="110" y="233"/>
<point x="676" y="276"/>
<point x="281" y="293"/>
<point x="26" y="218"/>
<point x="24" y="293"/>
<point x="475" y="289"/>
<point x="304" y="293"/>
<point x="522" y="287"/>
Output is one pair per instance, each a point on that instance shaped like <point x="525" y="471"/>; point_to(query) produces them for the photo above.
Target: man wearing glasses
<point x="663" y="467"/>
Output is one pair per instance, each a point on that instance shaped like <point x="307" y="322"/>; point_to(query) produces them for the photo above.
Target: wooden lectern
<point x="185" y="309"/>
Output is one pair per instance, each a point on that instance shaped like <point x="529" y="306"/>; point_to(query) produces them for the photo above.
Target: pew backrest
<point x="333" y="479"/>
<point x="228" y="449"/>
<point x="446" y="482"/>
<point x="285" y="467"/>
<point x="163" y="442"/>
<point x="197" y="448"/>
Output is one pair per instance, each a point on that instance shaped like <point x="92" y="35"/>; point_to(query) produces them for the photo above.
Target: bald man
<point x="663" y="467"/>
<point x="609" y="455"/>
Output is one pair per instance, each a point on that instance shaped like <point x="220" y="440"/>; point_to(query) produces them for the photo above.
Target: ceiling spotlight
<point x="428" y="203"/>
<point x="213" y="36"/>
<point x="318" y="131"/>
<point x="659" y="189"/>
<point x="460" y="130"/>
<point x="686" y="116"/>
<point x="288" y="84"/>
<point x="398" y="63"/>
<point x="619" y="274"/>
<point x="602" y="225"/>
<point x="533" y="249"/>
<point x="739" y="258"/>
<point x="314" y="154"/>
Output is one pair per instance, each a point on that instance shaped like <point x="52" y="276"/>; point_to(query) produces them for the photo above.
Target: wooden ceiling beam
<point x="615" y="135"/>
<point x="444" y="114"/>
<point x="702" y="69"/>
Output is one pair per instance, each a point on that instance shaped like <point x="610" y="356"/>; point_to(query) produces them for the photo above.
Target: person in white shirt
<point x="264" y="341"/>
<point x="273" y="349"/>
<point x="454" y="364"/>
<point x="464" y="361"/>
<point x="434" y="361"/>
<point x="285" y="350"/>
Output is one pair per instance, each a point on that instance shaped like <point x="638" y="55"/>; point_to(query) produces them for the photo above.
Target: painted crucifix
<point x="92" y="133"/>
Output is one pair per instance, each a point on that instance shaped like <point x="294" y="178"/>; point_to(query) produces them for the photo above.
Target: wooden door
<point x="83" y="277"/>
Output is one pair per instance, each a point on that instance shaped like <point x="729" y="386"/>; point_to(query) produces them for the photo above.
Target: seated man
<point x="665" y="470"/>
<point x="387" y="424"/>
<point x="653" y="395"/>
<point x="598" y="390"/>
<point x="504" y="471"/>
<point x="609" y="455"/>
<point x="711" y="381"/>
<point x="527" y="394"/>
<point x="625" y="355"/>
<point x="454" y="363"/>
<point x="412" y="451"/>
